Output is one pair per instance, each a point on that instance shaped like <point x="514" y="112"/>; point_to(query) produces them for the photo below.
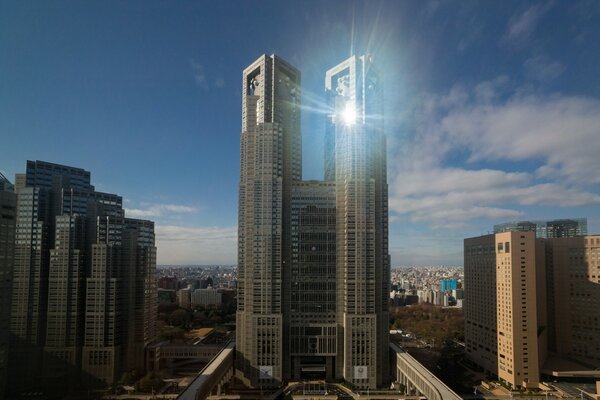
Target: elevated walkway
<point x="415" y="377"/>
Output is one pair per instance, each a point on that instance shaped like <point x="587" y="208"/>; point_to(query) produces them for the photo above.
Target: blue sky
<point x="492" y="108"/>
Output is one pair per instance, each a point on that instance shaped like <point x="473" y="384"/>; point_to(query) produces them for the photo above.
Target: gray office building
<point x="83" y="282"/>
<point x="8" y="209"/>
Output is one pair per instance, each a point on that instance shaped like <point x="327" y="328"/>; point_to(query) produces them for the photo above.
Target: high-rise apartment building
<point x="313" y="263"/>
<point x="8" y="209"/>
<point x="83" y="281"/>
<point x="531" y="305"/>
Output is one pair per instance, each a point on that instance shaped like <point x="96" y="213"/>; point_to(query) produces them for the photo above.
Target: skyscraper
<point x="8" y="208"/>
<point x="313" y="263"/>
<point x="362" y="258"/>
<point x="83" y="281"/>
<point x="270" y="162"/>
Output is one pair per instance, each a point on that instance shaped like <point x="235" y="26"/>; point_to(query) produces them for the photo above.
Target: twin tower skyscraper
<point x="313" y="262"/>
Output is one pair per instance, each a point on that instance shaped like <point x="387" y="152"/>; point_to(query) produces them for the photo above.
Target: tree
<point x="150" y="383"/>
<point x="179" y="317"/>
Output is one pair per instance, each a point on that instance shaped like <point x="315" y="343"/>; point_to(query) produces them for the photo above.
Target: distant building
<point x="206" y="282"/>
<point x="184" y="297"/>
<point x="166" y="296"/>
<point x="458" y="294"/>
<point x="168" y="282"/>
<point x="206" y="297"/>
<point x="5" y="184"/>
<point x="547" y="229"/>
<point x="449" y="284"/>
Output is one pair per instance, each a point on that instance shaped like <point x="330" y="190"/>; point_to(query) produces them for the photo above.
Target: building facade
<point x="359" y="148"/>
<point x="8" y="211"/>
<point x="313" y="263"/>
<point x="547" y="229"/>
<point x="314" y="345"/>
<point x="573" y="269"/>
<point x="83" y="283"/>
<point x="206" y="297"/>
<point x="531" y="305"/>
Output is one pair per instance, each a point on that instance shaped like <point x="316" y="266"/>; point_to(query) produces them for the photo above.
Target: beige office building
<point x="573" y="266"/>
<point x="313" y="262"/>
<point x="516" y="309"/>
<point x="270" y="161"/>
<point x="531" y="306"/>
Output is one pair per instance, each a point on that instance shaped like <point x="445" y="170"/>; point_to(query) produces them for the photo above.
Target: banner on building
<point x="266" y="372"/>
<point x="361" y="372"/>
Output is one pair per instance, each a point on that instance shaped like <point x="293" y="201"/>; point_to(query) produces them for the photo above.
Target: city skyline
<point x="495" y="109"/>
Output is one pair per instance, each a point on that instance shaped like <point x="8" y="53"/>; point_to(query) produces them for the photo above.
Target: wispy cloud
<point x="220" y="82"/>
<point x="196" y="245"/>
<point x="158" y="210"/>
<point x="522" y="25"/>
<point x="203" y="79"/>
<point x="543" y="69"/>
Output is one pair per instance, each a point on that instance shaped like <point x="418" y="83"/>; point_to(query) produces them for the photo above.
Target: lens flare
<point x="349" y="114"/>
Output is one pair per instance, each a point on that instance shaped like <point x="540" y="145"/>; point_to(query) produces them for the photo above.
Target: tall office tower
<point x="140" y="282"/>
<point x="573" y="268"/>
<point x="363" y="274"/>
<point x="505" y="314"/>
<point x="50" y="190"/>
<point x="313" y="263"/>
<point x="68" y="235"/>
<point x="29" y="288"/>
<point x="8" y="208"/>
<point x="270" y="162"/>
<point x="103" y="339"/>
<point x="314" y="344"/>
<point x="479" y="306"/>
<point x="547" y="229"/>
<point x="120" y="318"/>
<point x="516" y="294"/>
<point x="65" y="306"/>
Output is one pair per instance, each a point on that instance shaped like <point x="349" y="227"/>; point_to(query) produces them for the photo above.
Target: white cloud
<point x="543" y="68"/>
<point x="478" y="125"/>
<point x="157" y="210"/>
<point x="521" y="25"/>
<point x="196" y="245"/>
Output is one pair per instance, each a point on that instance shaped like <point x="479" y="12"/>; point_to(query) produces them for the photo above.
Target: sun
<point x="349" y="114"/>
